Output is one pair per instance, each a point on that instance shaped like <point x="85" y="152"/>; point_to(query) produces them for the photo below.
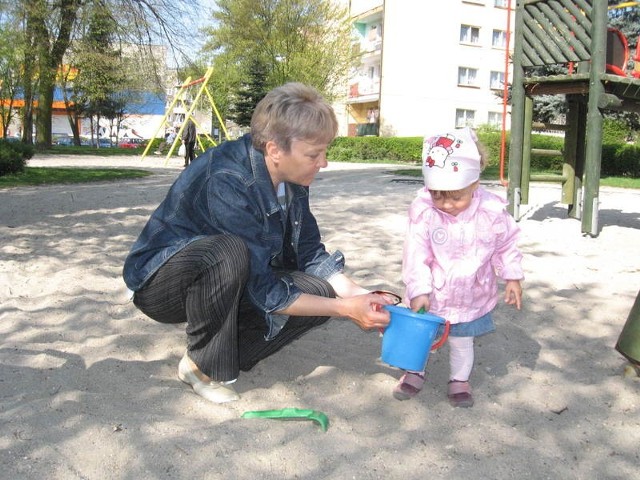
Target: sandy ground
<point x="88" y="385"/>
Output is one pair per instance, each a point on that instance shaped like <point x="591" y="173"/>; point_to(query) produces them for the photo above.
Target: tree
<point x="293" y="40"/>
<point x="99" y="64"/>
<point x="10" y="73"/>
<point x="252" y="89"/>
<point x="49" y="28"/>
<point x="75" y="103"/>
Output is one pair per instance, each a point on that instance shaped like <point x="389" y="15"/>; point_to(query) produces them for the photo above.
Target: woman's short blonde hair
<point x="293" y="111"/>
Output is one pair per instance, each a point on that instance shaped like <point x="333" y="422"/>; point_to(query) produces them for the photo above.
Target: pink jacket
<point x="457" y="260"/>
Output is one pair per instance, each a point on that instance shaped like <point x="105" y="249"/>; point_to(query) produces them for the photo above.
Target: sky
<point x="201" y="18"/>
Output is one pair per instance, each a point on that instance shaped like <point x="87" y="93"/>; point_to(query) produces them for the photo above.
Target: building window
<point x="499" y="39"/>
<point x="465" y="118"/>
<point x="469" y="34"/>
<point x="500" y="3"/>
<point x="467" y="76"/>
<point x="496" y="81"/>
<point x="495" y="119"/>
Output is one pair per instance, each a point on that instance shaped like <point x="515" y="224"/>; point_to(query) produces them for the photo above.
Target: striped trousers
<point x="203" y="285"/>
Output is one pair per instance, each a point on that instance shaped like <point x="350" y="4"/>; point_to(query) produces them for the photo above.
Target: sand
<point x="88" y="386"/>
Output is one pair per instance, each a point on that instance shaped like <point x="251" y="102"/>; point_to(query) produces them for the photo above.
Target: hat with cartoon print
<point x="450" y="160"/>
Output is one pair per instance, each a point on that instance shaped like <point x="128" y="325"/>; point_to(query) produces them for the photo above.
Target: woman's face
<point x="456" y="202"/>
<point x="300" y="164"/>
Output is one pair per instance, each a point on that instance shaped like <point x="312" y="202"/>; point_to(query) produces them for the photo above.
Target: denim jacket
<point x="228" y="190"/>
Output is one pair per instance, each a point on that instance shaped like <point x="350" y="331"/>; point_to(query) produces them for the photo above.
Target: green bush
<point x="206" y="143"/>
<point x="618" y="158"/>
<point x="614" y="131"/>
<point x="14" y="156"/>
<point x="491" y="140"/>
<point x="375" y="149"/>
<point x="546" y="162"/>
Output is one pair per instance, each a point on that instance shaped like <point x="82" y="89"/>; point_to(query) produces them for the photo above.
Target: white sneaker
<point x="216" y="392"/>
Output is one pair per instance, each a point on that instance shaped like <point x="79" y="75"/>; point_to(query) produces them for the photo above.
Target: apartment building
<point x="426" y="65"/>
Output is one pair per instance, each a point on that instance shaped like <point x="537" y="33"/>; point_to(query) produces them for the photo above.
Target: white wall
<point x="420" y="59"/>
<point x="421" y="56"/>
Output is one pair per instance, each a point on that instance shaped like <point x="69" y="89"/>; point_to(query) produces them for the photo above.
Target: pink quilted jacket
<point x="457" y="260"/>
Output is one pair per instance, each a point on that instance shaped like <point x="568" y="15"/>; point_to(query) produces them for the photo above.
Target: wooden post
<point x="580" y="154"/>
<point x="593" y="153"/>
<point x="629" y="341"/>
<point x="517" y="118"/>
<point x="570" y="149"/>
<point x="526" y="150"/>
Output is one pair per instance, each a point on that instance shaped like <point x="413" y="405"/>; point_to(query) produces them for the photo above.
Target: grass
<point x="492" y="172"/>
<point x="88" y="150"/>
<point x="57" y="175"/>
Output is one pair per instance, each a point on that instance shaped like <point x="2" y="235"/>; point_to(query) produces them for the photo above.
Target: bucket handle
<point x="445" y="335"/>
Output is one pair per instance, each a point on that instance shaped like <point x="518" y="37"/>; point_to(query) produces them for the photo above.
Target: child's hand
<point x="513" y="293"/>
<point x="421" y="301"/>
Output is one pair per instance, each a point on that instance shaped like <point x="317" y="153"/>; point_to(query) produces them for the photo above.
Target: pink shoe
<point x="459" y="394"/>
<point x="409" y="386"/>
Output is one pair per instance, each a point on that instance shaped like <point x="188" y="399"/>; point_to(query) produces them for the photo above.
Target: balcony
<point x="371" y="47"/>
<point x="364" y="90"/>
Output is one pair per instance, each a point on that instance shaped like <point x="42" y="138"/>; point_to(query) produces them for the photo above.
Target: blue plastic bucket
<point x="409" y="338"/>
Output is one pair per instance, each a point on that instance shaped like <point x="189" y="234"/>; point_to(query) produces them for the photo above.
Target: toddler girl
<point x="460" y="240"/>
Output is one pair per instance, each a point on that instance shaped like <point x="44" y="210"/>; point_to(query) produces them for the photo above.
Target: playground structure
<point x="573" y="35"/>
<point x="188" y="107"/>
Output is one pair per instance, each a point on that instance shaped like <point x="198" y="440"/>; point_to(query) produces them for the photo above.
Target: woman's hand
<point x="367" y="311"/>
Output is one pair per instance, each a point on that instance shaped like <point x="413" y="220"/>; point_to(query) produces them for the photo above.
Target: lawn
<point x="493" y="173"/>
<point x="57" y="175"/>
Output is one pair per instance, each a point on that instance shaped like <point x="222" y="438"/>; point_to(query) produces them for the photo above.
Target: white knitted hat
<point x="450" y="161"/>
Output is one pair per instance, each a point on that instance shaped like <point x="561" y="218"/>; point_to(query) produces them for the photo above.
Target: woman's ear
<point x="272" y="151"/>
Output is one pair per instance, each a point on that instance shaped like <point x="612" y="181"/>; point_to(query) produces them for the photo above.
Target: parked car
<point x="131" y="143"/>
<point x="103" y="142"/>
<point x="64" y="140"/>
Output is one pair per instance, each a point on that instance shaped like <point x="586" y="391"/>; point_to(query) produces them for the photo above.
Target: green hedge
<point x="618" y="159"/>
<point x="376" y="149"/>
<point x="14" y="156"/>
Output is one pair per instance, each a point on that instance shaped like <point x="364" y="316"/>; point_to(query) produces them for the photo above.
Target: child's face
<point x="453" y="202"/>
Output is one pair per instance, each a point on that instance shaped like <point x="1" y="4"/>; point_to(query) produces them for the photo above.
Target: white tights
<point x="461" y="358"/>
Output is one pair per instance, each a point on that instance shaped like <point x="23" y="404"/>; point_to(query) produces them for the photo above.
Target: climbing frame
<point x="573" y="36"/>
<point x="180" y="100"/>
